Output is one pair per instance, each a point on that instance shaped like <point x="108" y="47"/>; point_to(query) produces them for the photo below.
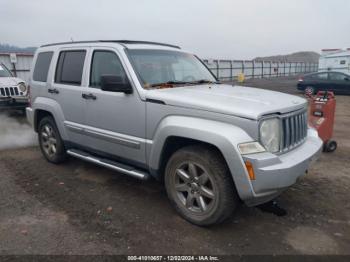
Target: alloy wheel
<point x="48" y="140"/>
<point x="194" y="187"/>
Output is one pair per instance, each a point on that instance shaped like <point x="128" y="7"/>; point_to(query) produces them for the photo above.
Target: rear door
<point x="67" y="87"/>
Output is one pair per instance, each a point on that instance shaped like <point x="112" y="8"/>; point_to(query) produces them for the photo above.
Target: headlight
<point x="270" y="134"/>
<point x="251" y="148"/>
<point x="22" y="87"/>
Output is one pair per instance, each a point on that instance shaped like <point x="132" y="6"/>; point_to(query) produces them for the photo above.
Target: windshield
<point x="163" y="68"/>
<point x="4" y="72"/>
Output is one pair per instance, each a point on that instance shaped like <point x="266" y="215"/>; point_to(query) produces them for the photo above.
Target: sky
<point x="224" y="29"/>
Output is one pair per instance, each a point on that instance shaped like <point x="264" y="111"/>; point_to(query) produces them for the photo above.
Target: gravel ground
<point x="78" y="208"/>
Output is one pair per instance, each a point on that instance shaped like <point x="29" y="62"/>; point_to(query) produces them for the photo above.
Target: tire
<point x="330" y="146"/>
<point x="201" y="199"/>
<point x="310" y="90"/>
<point x="50" y="141"/>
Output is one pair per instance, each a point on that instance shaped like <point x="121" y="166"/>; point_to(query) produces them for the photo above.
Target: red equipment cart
<point x="321" y="117"/>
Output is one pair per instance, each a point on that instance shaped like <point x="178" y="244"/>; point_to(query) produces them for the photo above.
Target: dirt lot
<point x="78" y="208"/>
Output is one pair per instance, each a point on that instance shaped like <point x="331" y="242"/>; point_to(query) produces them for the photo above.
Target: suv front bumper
<point x="275" y="173"/>
<point x="13" y="102"/>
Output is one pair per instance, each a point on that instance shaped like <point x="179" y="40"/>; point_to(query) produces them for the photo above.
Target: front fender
<point x="224" y="136"/>
<point x="51" y="106"/>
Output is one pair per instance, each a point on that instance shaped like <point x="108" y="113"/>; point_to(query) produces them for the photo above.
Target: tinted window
<point x="322" y="76"/>
<point x="42" y="65"/>
<point x="70" y="67"/>
<point x="337" y="77"/>
<point x="105" y="63"/>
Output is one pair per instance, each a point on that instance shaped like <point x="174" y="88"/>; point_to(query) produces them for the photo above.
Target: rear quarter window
<point x="42" y="66"/>
<point x="70" y="66"/>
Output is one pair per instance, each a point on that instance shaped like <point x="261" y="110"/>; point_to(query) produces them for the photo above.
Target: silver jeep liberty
<point x="149" y="109"/>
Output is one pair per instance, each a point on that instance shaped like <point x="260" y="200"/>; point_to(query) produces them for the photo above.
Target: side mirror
<point x="114" y="83"/>
<point x="346" y="79"/>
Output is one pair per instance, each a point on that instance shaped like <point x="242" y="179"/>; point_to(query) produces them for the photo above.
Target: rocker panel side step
<point x="122" y="168"/>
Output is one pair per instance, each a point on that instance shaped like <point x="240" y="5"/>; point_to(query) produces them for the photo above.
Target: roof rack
<point x="114" y="41"/>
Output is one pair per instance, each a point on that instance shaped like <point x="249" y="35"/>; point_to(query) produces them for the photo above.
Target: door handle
<point x="89" y="96"/>
<point x="53" y="91"/>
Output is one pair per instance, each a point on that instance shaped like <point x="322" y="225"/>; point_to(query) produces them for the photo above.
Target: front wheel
<point x="200" y="186"/>
<point x="330" y="146"/>
<point x="50" y="141"/>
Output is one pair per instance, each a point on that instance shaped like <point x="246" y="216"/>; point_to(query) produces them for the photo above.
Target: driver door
<point x="115" y="121"/>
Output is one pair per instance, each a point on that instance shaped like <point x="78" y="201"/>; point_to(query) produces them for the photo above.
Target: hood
<point x="242" y="101"/>
<point x="9" y="81"/>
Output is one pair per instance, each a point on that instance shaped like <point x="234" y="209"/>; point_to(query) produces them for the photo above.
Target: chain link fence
<point x="228" y="70"/>
<point x="225" y="70"/>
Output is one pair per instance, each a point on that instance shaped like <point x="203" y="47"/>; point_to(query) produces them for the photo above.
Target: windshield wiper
<point x="171" y="83"/>
<point x="204" y="81"/>
<point x="201" y="81"/>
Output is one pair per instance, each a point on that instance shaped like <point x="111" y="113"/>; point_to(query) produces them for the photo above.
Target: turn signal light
<point x="250" y="170"/>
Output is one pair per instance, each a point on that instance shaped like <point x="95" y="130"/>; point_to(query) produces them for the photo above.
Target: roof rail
<point x="114" y="41"/>
<point x="139" y="42"/>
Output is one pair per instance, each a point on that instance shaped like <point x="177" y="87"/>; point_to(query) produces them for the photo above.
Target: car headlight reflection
<point x="22" y="87"/>
<point x="270" y="134"/>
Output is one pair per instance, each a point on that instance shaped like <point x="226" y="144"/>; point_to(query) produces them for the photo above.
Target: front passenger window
<point x="105" y="63"/>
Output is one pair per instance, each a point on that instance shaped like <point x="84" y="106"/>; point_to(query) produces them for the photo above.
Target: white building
<point x="335" y="60"/>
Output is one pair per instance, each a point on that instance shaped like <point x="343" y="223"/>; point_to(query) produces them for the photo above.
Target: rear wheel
<point x="310" y="90"/>
<point x="50" y="141"/>
<point x="200" y="186"/>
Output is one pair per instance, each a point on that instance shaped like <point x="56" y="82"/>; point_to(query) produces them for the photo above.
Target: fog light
<point x="250" y="148"/>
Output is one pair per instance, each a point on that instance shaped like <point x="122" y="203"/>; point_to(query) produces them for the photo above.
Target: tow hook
<point x="273" y="207"/>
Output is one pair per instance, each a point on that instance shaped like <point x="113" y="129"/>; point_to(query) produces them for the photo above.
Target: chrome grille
<point x="9" y="91"/>
<point x="294" y="130"/>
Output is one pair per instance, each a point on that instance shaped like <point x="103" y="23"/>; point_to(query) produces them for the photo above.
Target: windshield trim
<point x="176" y="51"/>
<point x="217" y="80"/>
